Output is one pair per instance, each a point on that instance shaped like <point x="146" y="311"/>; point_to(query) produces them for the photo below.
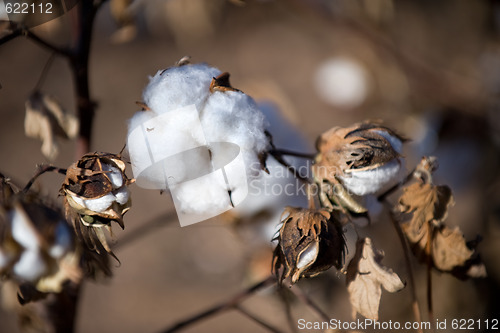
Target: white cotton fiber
<point x="114" y="175"/>
<point x="122" y="195"/>
<point x="234" y="117"/>
<point x="370" y="181"/>
<point x="99" y="205"/>
<point x="396" y="143"/>
<point x="179" y="86"/>
<point x="22" y="231"/>
<point x="30" y="266"/>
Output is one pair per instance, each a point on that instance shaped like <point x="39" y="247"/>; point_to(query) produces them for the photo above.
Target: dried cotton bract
<point x="361" y="159"/>
<point x="309" y="242"/>
<point x="96" y="194"/>
<point x="221" y="114"/>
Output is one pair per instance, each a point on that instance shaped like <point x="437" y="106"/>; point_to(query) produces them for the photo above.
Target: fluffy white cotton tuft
<point x="177" y="87"/>
<point x="234" y="117"/>
<point x="115" y="175"/>
<point x="122" y="195"/>
<point x="99" y="205"/>
<point x="370" y="181"/>
<point x="63" y="240"/>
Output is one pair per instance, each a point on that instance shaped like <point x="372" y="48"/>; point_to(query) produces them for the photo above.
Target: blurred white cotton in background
<point x="342" y="82"/>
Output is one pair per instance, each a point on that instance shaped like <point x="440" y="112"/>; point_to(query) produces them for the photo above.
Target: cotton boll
<point x="177" y="87"/>
<point x="114" y="175"/>
<point x="342" y="82"/>
<point x="22" y="231"/>
<point x="30" y="266"/>
<point x="370" y="181"/>
<point x="122" y="195"/>
<point x="396" y="143"/>
<point x="99" y="205"/>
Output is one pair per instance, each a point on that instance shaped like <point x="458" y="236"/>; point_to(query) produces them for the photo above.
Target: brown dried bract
<point x="309" y="242"/>
<point x="221" y="83"/>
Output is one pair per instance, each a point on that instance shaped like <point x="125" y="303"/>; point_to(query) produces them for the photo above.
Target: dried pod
<point x="362" y="159"/>
<point x="96" y="194"/>
<point x="309" y="242"/>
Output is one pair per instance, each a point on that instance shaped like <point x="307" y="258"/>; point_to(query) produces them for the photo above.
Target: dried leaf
<point x="449" y="251"/>
<point x="46" y="120"/>
<point x="366" y="277"/>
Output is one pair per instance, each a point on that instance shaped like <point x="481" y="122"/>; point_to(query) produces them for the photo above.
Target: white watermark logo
<point x="196" y="164"/>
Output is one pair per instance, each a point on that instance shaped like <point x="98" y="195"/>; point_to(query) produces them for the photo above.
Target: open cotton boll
<point x="395" y="142"/>
<point x="370" y="181"/>
<point x="30" y="266"/>
<point x="22" y="231"/>
<point x="177" y="87"/>
<point x="99" y="205"/>
<point x="232" y="116"/>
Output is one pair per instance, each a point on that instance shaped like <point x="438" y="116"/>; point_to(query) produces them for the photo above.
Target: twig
<point x="404" y="245"/>
<point x="231" y="303"/>
<point x="257" y="320"/>
<point x="405" y="180"/>
<point x="45" y="70"/>
<point x="309" y="302"/>
<point x="291" y="153"/>
<point x="41" y="170"/>
<point x="279" y="158"/>
<point x="283" y="293"/>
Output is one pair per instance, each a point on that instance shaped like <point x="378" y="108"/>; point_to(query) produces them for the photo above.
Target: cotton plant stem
<point x="309" y="302"/>
<point x="399" y="231"/>
<point x="257" y="320"/>
<point x="283" y="295"/>
<point x="229" y="304"/>
<point x="40" y="171"/>
<point x="428" y="250"/>
<point x="279" y="158"/>
<point x="287" y="152"/>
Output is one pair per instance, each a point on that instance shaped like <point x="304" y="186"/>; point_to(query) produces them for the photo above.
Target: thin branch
<point x="291" y="153"/>
<point x="283" y="293"/>
<point x="257" y="320"/>
<point x="30" y="35"/>
<point x="309" y="302"/>
<point x="279" y="158"/>
<point x="409" y="268"/>
<point x="40" y="171"/>
<point x="231" y="303"/>
<point x="14" y="34"/>
<point x="403" y="182"/>
<point x="45" y="70"/>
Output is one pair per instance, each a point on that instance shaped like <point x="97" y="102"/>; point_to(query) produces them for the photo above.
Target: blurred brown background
<point x="429" y="69"/>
